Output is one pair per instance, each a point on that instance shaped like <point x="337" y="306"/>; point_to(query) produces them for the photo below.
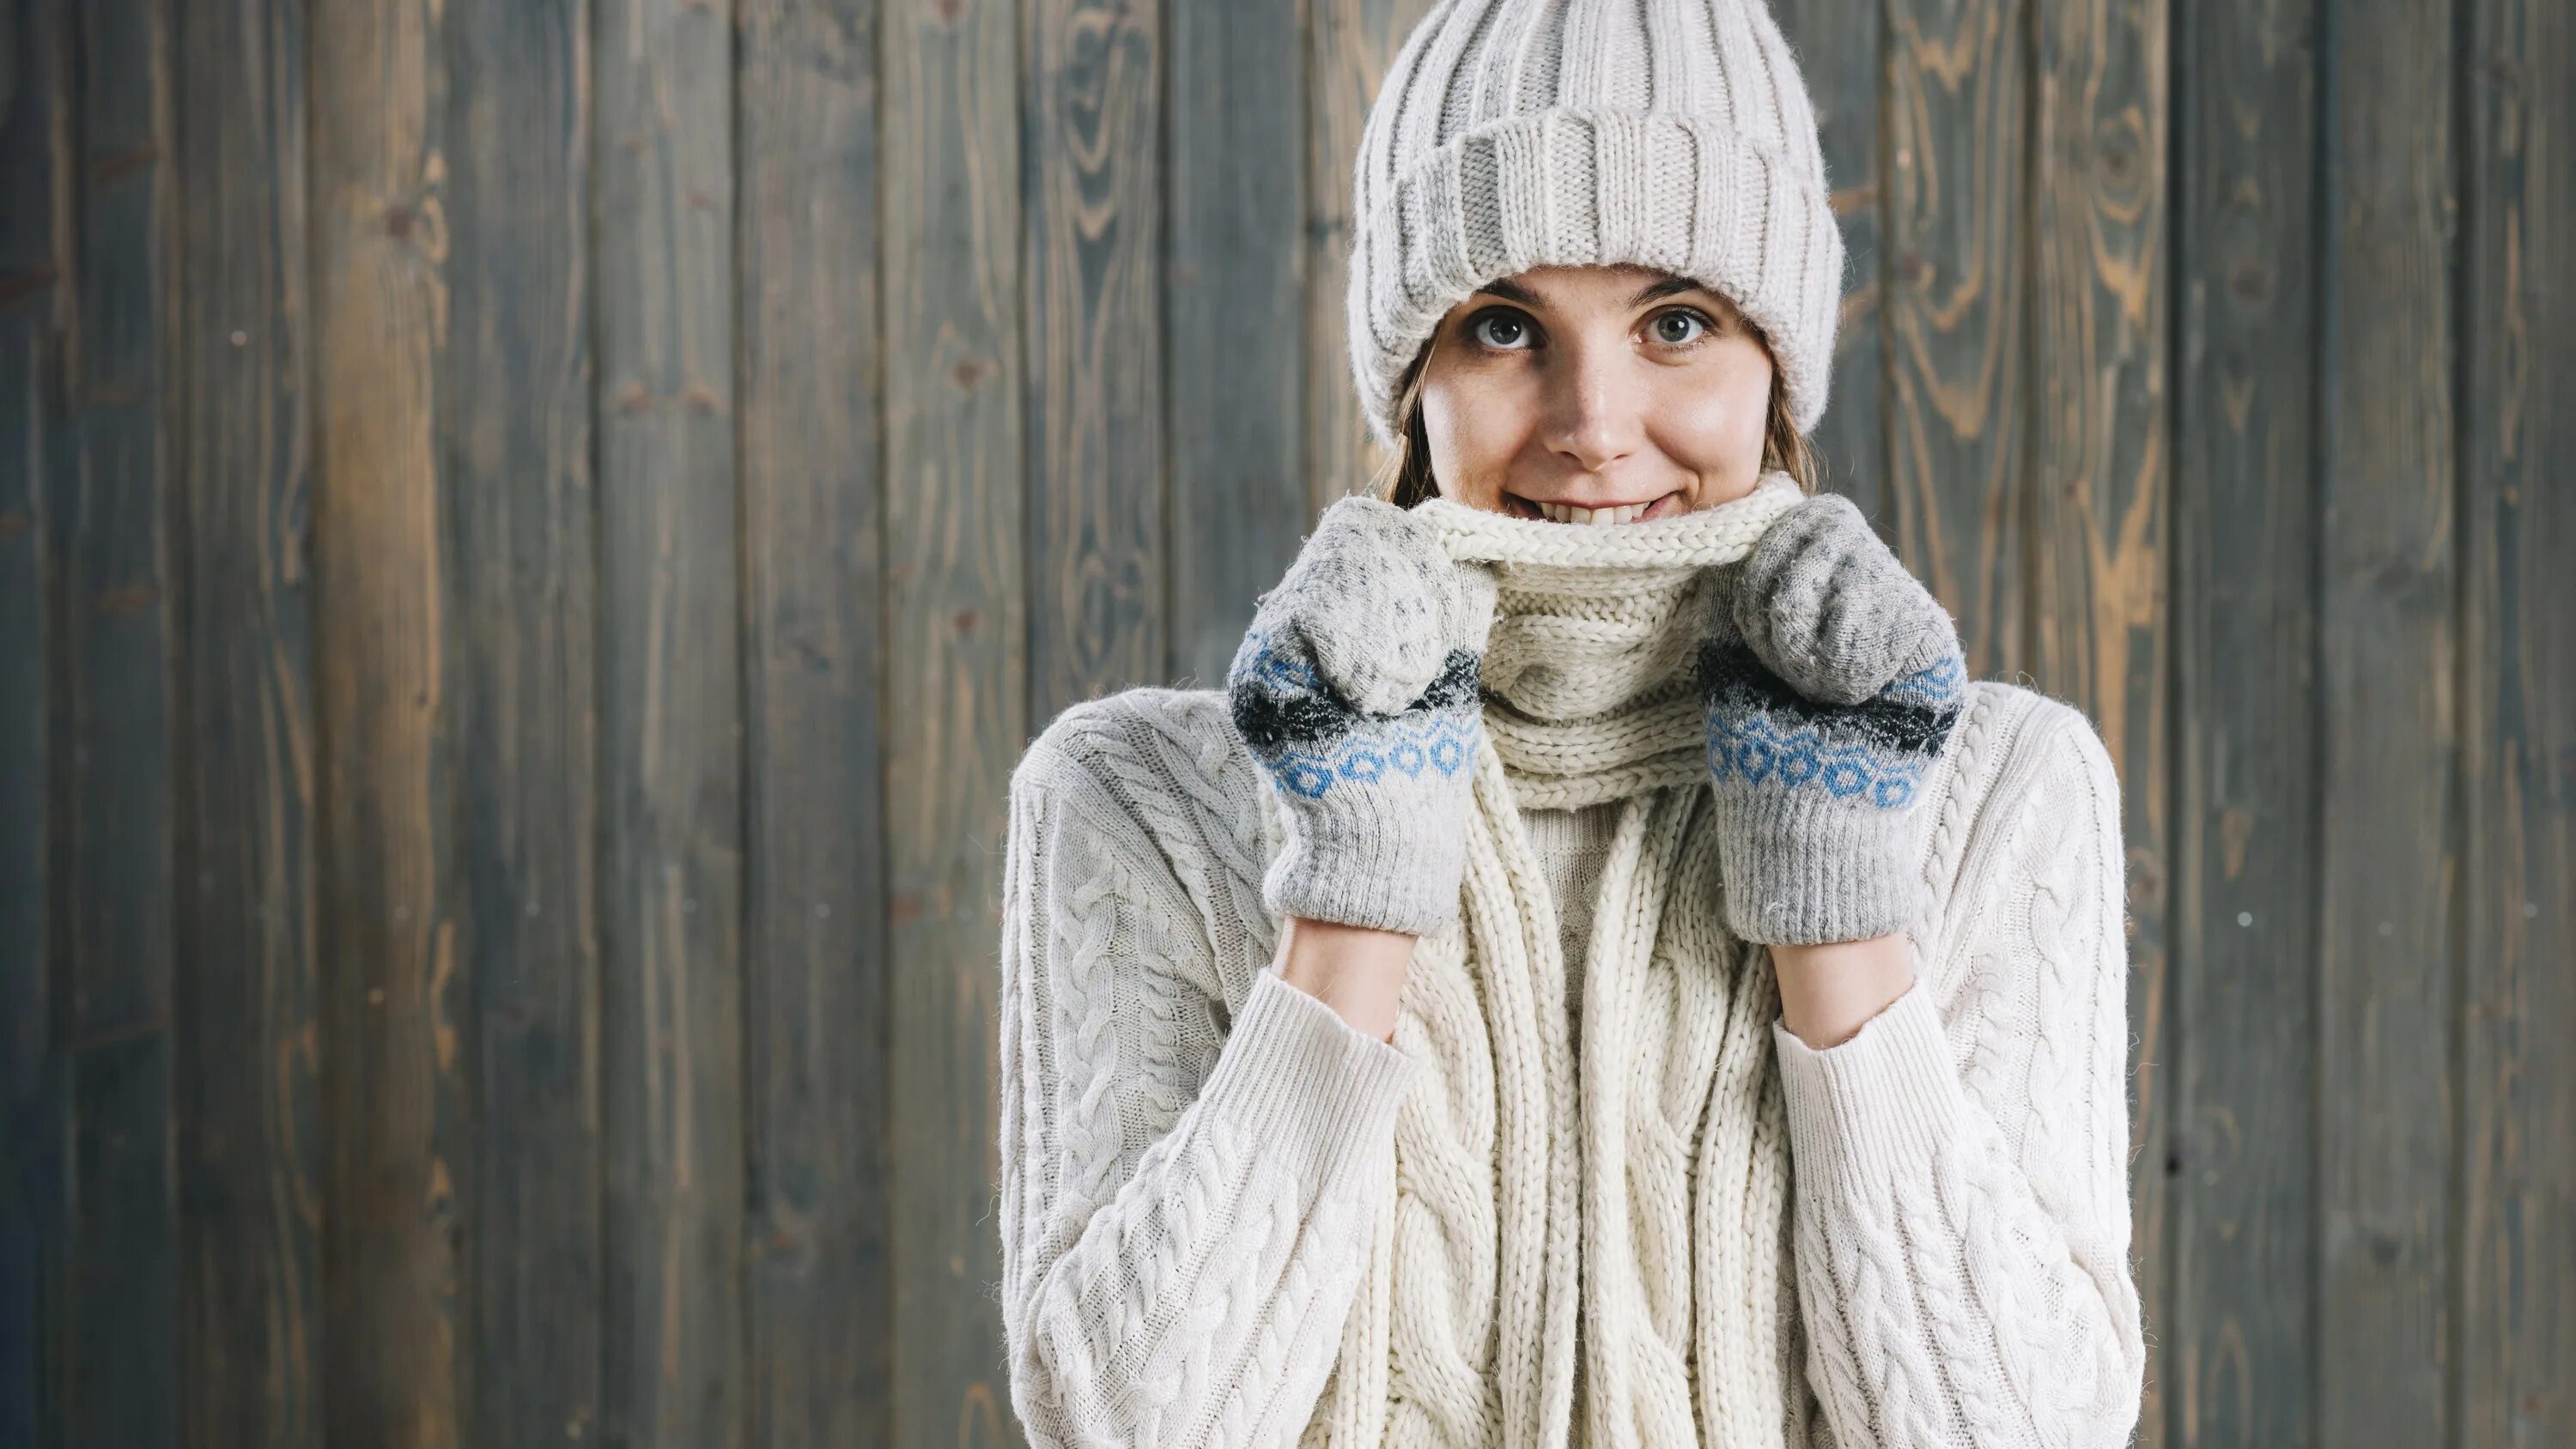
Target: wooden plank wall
<point x="532" y="533"/>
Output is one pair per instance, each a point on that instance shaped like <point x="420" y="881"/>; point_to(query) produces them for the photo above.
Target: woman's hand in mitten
<point x="1829" y="678"/>
<point x="1356" y="688"/>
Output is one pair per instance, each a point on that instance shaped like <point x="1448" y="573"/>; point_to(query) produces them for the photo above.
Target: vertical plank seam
<point x="2464" y="807"/>
<point x="2322" y="281"/>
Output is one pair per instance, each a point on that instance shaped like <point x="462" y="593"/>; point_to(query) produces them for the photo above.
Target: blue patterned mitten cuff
<point x="1374" y="803"/>
<point x="1813" y="798"/>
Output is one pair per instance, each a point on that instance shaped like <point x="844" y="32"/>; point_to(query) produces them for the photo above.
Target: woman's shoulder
<point x="2027" y="799"/>
<point x="1165" y="763"/>
<point x="2012" y="738"/>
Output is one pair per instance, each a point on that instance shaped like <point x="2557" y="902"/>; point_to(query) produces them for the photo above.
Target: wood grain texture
<point x="110" y="732"/>
<point x="2237" y="1149"/>
<point x="2100" y="632"/>
<point x="395" y="1116"/>
<point x="2516" y="1326"/>
<point x="1350" y="44"/>
<point x="1092" y="200"/>
<point x="956" y="686"/>
<point x="248" y="1044"/>
<point x="507" y="208"/>
<point x="114" y="525"/>
<point x="121" y="1359"/>
<point x="1956" y="254"/>
<point x="2388" y="861"/>
<point x="1838" y="46"/>
<point x="34" y="1086"/>
<point x="670" y="713"/>
<point x="817" y="975"/>
<point x="1233" y="313"/>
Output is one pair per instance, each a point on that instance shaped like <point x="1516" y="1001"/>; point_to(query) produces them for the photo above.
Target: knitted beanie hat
<point x="1673" y="134"/>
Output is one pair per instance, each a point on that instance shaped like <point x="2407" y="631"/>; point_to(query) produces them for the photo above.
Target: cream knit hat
<point x="1673" y="134"/>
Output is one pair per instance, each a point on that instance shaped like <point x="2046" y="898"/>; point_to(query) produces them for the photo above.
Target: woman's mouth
<point x="1594" y="515"/>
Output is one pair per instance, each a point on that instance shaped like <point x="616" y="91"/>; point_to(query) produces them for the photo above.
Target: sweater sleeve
<point x="1184" y="1223"/>
<point x="1962" y="1198"/>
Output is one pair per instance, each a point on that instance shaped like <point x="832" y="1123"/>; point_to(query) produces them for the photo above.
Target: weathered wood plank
<point x="33" y="1084"/>
<point x="670" y="712"/>
<point x="1093" y="214"/>
<point x="514" y="435"/>
<point x="110" y="734"/>
<point x="2388" y="635"/>
<point x="1838" y="49"/>
<point x="956" y="684"/>
<point x="1954" y="290"/>
<point x="2517" y="1233"/>
<point x="2100" y="517"/>
<point x="1233" y="303"/>
<point x="822" y="1328"/>
<point x="395" y="1117"/>
<point x="250" y="1169"/>
<point x="2235" y="1148"/>
<point x="116" y="742"/>
<point x="1349" y="46"/>
<point x="121" y="1380"/>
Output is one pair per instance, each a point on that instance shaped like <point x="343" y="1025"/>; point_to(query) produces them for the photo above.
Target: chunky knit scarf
<point x="1621" y="1200"/>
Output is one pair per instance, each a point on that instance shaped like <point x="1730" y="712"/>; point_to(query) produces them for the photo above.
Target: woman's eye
<point x="1502" y="331"/>
<point x="1678" y="329"/>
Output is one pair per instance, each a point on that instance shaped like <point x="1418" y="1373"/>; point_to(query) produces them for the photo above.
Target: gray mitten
<point x="1356" y="688"/>
<point x="1830" y="678"/>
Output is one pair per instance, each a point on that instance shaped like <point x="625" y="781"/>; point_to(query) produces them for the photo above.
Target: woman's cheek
<point x="1715" y="428"/>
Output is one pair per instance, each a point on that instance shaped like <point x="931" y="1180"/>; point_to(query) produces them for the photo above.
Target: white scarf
<point x="1635" y="1214"/>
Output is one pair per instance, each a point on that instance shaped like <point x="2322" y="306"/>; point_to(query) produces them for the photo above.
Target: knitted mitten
<point x="1356" y="688"/>
<point x="1829" y="678"/>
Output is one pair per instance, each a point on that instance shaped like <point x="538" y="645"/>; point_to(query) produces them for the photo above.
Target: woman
<point x="1599" y="973"/>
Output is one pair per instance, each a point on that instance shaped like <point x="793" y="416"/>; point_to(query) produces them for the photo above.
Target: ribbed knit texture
<point x="1228" y="1219"/>
<point x="1672" y="134"/>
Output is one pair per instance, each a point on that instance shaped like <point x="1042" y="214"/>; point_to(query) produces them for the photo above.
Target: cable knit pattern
<point x="1230" y="1219"/>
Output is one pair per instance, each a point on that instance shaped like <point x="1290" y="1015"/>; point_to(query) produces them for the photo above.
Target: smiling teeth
<point x="1569" y="513"/>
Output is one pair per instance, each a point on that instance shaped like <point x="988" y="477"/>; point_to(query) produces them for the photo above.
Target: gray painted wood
<point x="1957" y="79"/>
<point x="956" y="685"/>
<point x="394" y="1114"/>
<point x="2099" y="494"/>
<point x="670" y="724"/>
<point x="111" y="732"/>
<point x="1838" y="46"/>
<point x="816" y="970"/>
<point x="250" y="1158"/>
<point x="1233" y="305"/>
<point x="1092" y="206"/>
<point x="1349" y="45"/>
<point x="2241" y="1045"/>
<point x="33" y="1113"/>
<point x="514" y="441"/>
<point x="2388" y="856"/>
<point x="2517" y="1088"/>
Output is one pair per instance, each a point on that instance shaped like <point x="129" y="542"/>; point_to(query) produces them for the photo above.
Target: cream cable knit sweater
<point x="1197" y="1162"/>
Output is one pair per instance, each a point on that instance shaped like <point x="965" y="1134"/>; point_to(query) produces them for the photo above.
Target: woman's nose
<point x="1591" y="418"/>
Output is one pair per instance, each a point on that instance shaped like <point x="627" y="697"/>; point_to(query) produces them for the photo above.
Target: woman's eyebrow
<point x="1510" y="291"/>
<point x="1661" y="288"/>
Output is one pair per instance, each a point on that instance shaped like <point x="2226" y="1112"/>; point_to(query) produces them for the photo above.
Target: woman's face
<point x="1595" y="395"/>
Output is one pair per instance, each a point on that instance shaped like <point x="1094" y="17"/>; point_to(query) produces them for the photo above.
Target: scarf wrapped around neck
<point x="1620" y="1201"/>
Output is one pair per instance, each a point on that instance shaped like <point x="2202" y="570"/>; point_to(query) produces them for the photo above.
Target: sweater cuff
<point x="1871" y="1109"/>
<point x="1307" y="1089"/>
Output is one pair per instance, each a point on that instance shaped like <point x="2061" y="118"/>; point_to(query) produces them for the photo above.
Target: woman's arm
<point x="1963" y="1235"/>
<point x="1183" y="1223"/>
<point x="1828" y="992"/>
<point x="1357" y="971"/>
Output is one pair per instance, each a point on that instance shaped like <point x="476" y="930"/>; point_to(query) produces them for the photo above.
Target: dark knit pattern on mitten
<point x="1829" y="680"/>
